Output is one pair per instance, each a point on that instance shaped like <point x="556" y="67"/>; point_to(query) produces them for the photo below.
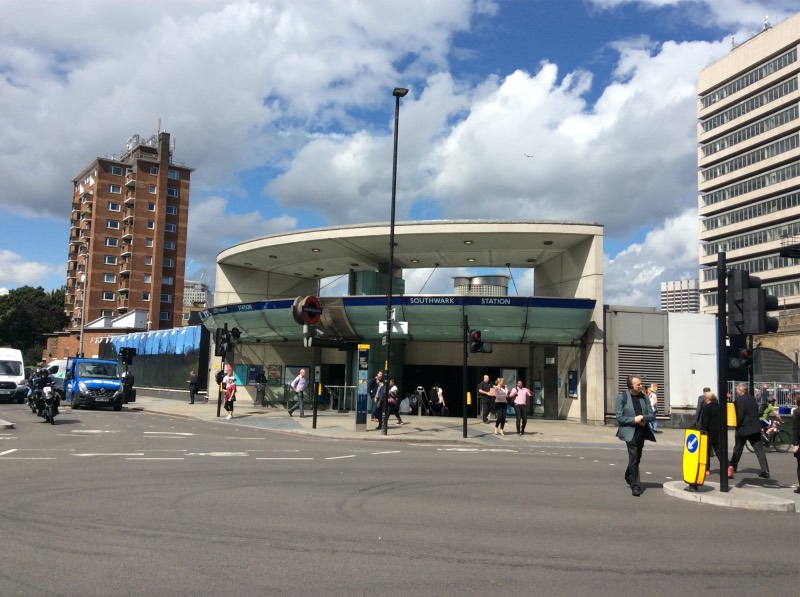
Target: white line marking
<point x="339" y="457"/>
<point x="389" y="452"/>
<point x="165" y="437"/>
<point x="8" y="452"/>
<point x="245" y="438"/>
<point x="24" y="458"/>
<point x="154" y="459"/>
<point x="114" y="454"/>
<point x="217" y="454"/>
<point x="283" y="458"/>
<point x="91" y="431"/>
<point x="166" y="433"/>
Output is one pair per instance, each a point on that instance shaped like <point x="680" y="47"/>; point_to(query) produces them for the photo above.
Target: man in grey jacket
<point x="634" y="415"/>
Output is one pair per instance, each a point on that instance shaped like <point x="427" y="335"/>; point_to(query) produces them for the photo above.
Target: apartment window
<point x="116" y="170"/>
<point x="170" y="228"/>
<point x="167" y="280"/>
<point x="148" y="242"/>
<point x="166" y="298"/>
<point x="151" y="206"/>
<point x="172" y="210"/>
<point x="109" y="277"/>
<point x="151" y="225"/>
<point x="169" y="245"/>
<point x="108" y="296"/>
<point x="146" y="296"/>
<point x="114" y="188"/>
<point x="168" y="263"/>
<point x="154" y="170"/>
<point x="185" y="316"/>
<point x="106" y="313"/>
<point x="152" y="189"/>
<point x="112" y="242"/>
<point x="165" y="316"/>
<point x="114" y="206"/>
<point x="148" y="260"/>
<point x="110" y="259"/>
<point x="113" y="224"/>
<point x="174" y="175"/>
<point x="172" y="193"/>
<point x="148" y="278"/>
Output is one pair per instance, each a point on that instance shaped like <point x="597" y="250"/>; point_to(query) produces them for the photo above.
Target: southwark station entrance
<point x="551" y="339"/>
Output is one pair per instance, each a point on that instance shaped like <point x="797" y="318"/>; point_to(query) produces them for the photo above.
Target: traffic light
<point x="218" y="352"/>
<point x="747" y="305"/>
<point x="222" y="342"/>
<point x="476" y="344"/>
<point x="746" y="358"/>
<point x="127" y="354"/>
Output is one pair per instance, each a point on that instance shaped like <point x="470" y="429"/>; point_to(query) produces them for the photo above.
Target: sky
<point x="578" y="110"/>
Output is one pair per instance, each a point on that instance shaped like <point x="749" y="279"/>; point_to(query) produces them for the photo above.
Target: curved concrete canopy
<point x="334" y="251"/>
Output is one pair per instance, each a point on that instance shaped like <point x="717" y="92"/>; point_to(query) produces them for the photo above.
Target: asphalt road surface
<point x="106" y="503"/>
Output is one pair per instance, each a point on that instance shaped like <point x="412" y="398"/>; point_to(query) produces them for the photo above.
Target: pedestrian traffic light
<point x="127" y="354"/>
<point x="748" y="304"/>
<point x="476" y="344"/>
<point x="218" y="343"/>
<point x="223" y="342"/>
<point x="746" y="358"/>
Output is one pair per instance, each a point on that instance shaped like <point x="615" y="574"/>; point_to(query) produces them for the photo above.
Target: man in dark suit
<point x="748" y="429"/>
<point x="634" y="415"/>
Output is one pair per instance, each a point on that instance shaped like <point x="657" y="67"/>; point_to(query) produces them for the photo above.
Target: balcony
<point x="125" y="270"/>
<point x="127" y="238"/>
<point x="130" y="180"/>
<point x="128" y="220"/>
<point x="130" y="200"/>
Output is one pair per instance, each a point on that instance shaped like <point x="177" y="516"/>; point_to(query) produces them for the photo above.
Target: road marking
<point x="90" y="431"/>
<point x="113" y="454"/>
<point x="245" y="438"/>
<point x="283" y="458"/>
<point x="153" y="458"/>
<point x="8" y="452"/>
<point x="31" y="458"/>
<point x="340" y="457"/>
<point x="166" y="437"/>
<point x="166" y="433"/>
<point x="389" y="452"/>
<point x="217" y="454"/>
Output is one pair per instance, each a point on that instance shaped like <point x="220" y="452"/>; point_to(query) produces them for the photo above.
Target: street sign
<point x="398" y="327"/>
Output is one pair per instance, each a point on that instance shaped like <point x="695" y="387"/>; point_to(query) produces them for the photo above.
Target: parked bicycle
<point x="779" y="440"/>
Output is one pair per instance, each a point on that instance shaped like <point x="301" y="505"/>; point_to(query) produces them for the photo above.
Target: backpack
<point x="761" y="409"/>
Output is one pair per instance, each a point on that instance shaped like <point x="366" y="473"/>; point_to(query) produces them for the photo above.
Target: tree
<point x="27" y="314"/>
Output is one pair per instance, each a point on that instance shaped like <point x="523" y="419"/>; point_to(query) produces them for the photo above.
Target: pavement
<point x="746" y="491"/>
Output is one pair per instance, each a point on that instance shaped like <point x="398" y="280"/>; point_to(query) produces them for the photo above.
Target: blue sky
<point x="285" y="110"/>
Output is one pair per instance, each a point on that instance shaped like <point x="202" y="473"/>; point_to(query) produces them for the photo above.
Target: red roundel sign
<point x="311" y="310"/>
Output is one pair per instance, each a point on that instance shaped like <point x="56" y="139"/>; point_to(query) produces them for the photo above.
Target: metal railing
<point x="342" y="398"/>
<point x="782" y="391"/>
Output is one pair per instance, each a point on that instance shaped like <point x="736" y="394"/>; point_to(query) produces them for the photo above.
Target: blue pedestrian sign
<point x="692" y="443"/>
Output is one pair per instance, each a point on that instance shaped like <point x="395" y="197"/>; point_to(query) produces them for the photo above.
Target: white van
<point x="12" y="374"/>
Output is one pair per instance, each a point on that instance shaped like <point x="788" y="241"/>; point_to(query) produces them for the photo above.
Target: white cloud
<point x="669" y="252"/>
<point x="16" y="271"/>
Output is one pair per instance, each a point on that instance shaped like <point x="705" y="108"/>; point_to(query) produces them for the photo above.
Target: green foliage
<point x="27" y="314"/>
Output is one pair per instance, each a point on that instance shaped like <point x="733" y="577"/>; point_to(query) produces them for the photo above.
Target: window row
<point x="752" y="184"/>
<point x="165" y="281"/>
<point x="108" y="295"/>
<point x="751" y="239"/>
<point x="163" y="315"/>
<point x="748" y="105"/>
<point x="171" y="174"/>
<point x="754" y="266"/>
<point x="171" y="210"/>
<point x="151" y="225"/>
<point x="169" y="245"/>
<point x="752" y="157"/>
<point x="753" y="76"/>
<point x="171" y="192"/>
<point x="148" y="260"/>
<point x="762" y="208"/>
<point x="761" y="126"/>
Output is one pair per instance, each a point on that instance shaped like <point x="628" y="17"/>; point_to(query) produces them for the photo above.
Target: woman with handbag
<point x="394" y="402"/>
<point x="500" y="394"/>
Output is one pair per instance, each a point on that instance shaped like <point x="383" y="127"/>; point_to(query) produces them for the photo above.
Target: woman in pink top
<point x="500" y="394"/>
<point x="520" y="394"/>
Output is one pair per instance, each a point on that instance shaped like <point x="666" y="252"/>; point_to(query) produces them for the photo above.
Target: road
<point x="108" y="503"/>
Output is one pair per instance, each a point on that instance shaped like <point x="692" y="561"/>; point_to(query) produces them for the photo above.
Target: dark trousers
<point x="487" y="406"/>
<point x="797" y="457"/>
<point x="192" y="393"/>
<point x="635" y="447"/>
<point x="299" y="404"/>
<point x="758" y="448"/>
<point x="522" y="417"/>
<point x="500" y="413"/>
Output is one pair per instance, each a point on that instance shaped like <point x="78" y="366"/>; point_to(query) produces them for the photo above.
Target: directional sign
<point x="398" y="327"/>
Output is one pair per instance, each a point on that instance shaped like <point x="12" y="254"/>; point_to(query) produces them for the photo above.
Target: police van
<point x="12" y="375"/>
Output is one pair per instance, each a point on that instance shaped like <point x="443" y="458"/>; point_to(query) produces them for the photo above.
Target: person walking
<point x="298" y="386"/>
<point x="500" y="394"/>
<point x="709" y="422"/>
<point x="652" y="395"/>
<point x="634" y="415"/>
<point x="485" y="397"/>
<point x="701" y="400"/>
<point x="394" y="401"/>
<point x="192" y="381"/>
<point x="372" y="391"/>
<point x="437" y="400"/>
<point x="748" y="429"/>
<point x="796" y="437"/>
<point x="520" y="395"/>
<point x="230" y="397"/>
<point x="380" y="396"/>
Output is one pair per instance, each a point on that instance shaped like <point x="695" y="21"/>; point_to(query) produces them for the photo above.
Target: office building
<point x="127" y="244"/>
<point x="749" y="162"/>
<point x="680" y="296"/>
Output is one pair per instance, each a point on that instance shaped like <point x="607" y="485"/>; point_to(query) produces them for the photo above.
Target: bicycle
<point x="779" y="440"/>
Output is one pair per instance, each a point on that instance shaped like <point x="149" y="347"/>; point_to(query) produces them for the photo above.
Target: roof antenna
<point x="766" y="22"/>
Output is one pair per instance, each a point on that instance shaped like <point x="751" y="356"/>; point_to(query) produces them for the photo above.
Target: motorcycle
<point x="45" y="403"/>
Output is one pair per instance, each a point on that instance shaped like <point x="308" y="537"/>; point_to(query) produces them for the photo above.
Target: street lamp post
<point x="397" y="93"/>
<point x="83" y="301"/>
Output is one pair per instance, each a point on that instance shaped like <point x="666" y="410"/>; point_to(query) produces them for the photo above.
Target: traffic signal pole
<point x="722" y="369"/>
<point x="465" y="341"/>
